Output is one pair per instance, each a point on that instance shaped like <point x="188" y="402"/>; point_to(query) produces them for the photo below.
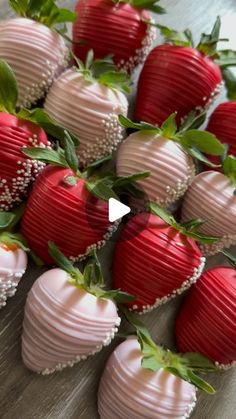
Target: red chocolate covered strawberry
<point x="167" y="153"/>
<point x="142" y="380"/>
<point x="118" y="27"/>
<point x="222" y="123"/>
<point x="206" y="322"/>
<point x="178" y="77"/>
<point x="80" y="221"/>
<point x="68" y="316"/>
<point x="36" y="52"/>
<point x="96" y="90"/>
<point x="156" y="260"/>
<point x="212" y="198"/>
<point x="16" y="170"/>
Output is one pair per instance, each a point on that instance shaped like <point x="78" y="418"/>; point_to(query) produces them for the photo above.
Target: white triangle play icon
<point x="117" y="210"/>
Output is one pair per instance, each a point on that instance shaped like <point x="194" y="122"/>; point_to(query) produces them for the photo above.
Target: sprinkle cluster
<point x="173" y="194"/>
<point x="8" y="285"/>
<point x="13" y="191"/>
<point x="113" y="135"/>
<point x="109" y="336"/>
<point x="140" y="53"/>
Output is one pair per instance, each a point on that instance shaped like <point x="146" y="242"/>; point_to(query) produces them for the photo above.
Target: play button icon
<point x="117" y="210"/>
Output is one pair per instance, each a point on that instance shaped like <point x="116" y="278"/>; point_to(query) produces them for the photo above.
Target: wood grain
<point x="72" y="393"/>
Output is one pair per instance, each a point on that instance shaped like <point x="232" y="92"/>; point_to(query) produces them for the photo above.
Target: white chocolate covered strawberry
<point x="87" y="101"/>
<point x="35" y="51"/>
<point x="211" y="197"/>
<point x="167" y="154"/>
<point x="13" y="263"/>
<point x="67" y="317"/>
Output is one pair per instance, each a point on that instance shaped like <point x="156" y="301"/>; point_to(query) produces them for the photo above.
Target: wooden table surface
<point x="71" y="394"/>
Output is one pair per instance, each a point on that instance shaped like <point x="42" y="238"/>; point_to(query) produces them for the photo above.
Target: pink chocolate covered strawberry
<point x="212" y="198"/>
<point x="167" y="154"/>
<point x="142" y="380"/>
<point x="68" y="316"/>
<point x="80" y="221"/>
<point x="222" y="123"/>
<point x="36" y="52"/>
<point x="118" y="27"/>
<point x="207" y="319"/>
<point x="96" y="90"/>
<point x="178" y="77"/>
<point x="157" y="259"/>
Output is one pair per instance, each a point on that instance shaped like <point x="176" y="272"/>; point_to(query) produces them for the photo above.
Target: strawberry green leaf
<point x="198" y="362"/>
<point x="199" y="237"/>
<point x="202" y="140"/>
<point x="142" y="126"/>
<point x="115" y="80"/>
<point x="14" y="239"/>
<point x="8" y="88"/>
<point x="40" y="117"/>
<point x="100" y="189"/>
<point x="193" y="121"/>
<point x="193" y="225"/>
<point x="64" y="263"/>
<point x="89" y="59"/>
<point x="169" y="126"/>
<point x="200" y="383"/>
<point x="230" y="83"/>
<point x="70" y="153"/>
<point x="196" y="154"/>
<point x="163" y="214"/>
<point x="43" y="11"/>
<point x="208" y="42"/>
<point x="230" y="257"/>
<point x="118" y="296"/>
<point x="226" y="58"/>
<point x="174" y="37"/>
<point x="46" y="156"/>
<point x="6" y="218"/>
<point x="229" y="169"/>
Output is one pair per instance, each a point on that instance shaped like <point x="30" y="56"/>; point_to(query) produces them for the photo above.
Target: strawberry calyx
<point x="13" y="241"/>
<point x="42" y="11"/>
<point x="103" y="71"/>
<point x="188" y="229"/>
<point x="91" y="280"/>
<point x="193" y="141"/>
<point x="104" y="185"/>
<point x="151" y="5"/>
<point x="185" y="366"/>
<point x="8" y="104"/>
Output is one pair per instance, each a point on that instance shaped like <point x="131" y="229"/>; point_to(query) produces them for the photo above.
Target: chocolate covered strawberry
<point x="142" y="380"/>
<point x="207" y="319"/>
<point x="167" y="154"/>
<point x="157" y="259"/>
<point x="222" y="123"/>
<point x="16" y="170"/>
<point x="211" y="197"/>
<point x="13" y="263"/>
<point x="97" y="93"/>
<point x="68" y="316"/>
<point x="36" y="52"/>
<point x="179" y="77"/>
<point x="121" y="28"/>
<point x="68" y="206"/>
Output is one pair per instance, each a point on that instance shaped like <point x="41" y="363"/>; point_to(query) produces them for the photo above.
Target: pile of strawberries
<point x="57" y="177"/>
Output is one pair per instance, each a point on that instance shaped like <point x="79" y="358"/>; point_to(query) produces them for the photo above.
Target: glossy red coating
<point x="154" y="262"/>
<point x="108" y="28"/>
<point x="68" y="215"/>
<point x="175" y="79"/>
<point x="206" y="322"/>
